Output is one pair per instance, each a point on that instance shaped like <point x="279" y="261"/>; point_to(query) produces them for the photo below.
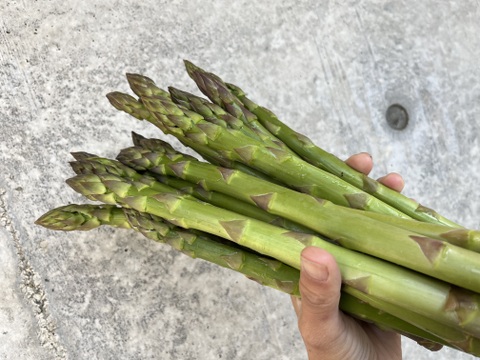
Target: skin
<point x="328" y="333"/>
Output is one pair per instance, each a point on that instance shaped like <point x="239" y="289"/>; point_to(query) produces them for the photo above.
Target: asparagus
<point x="149" y="153"/>
<point x="465" y="238"/>
<point x="263" y="270"/>
<point x="83" y="218"/>
<point x="144" y="86"/>
<point x="130" y="105"/>
<point x="230" y="203"/>
<point x="385" y="281"/>
<point x="274" y="162"/>
<point x="215" y="114"/>
<point x="213" y="87"/>
<point x="201" y="106"/>
<point x="415" y="251"/>
<point x="329" y="162"/>
<point x="89" y="163"/>
<point x="450" y="336"/>
<point x="413" y="285"/>
<point x="426" y="256"/>
<point x="136" y="108"/>
<point x="225" y="95"/>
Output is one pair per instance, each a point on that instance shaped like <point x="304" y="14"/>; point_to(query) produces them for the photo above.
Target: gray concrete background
<point x="329" y="69"/>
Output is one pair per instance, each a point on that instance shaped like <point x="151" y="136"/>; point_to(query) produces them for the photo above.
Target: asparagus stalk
<point x="143" y="86"/>
<point x="149" y="153"/>
<point x="263" y="270"/>
<point x="450" y="336"/>
<point x="266" y="271"/>
<point x="230" y="203"/>
<point x="429" y="254"/>
<point x="146" y="87"/>
<point x="214" y="88"/>
<point x="465" y="238"/>
<point x="390" y="283"/>
<point x="225" y="95"/>
<point x="413" y="250"/>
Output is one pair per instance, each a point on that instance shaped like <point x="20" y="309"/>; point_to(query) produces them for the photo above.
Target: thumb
<point x="320" y="321"/>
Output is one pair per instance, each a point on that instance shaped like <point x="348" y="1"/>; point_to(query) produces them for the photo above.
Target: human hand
<point x="328" y="333"/>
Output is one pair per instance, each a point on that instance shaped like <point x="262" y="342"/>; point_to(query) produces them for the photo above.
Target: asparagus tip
<point x="82" y="155"/>
<point x="142" y="85"/>
<point x="192" y="69"/>
<point x="119" y="100"/>
<point x="68" y="218"/>
<point x="135" y="78"/>
<point x="137" y="138"/>
<point x="238" y="92"/>
<point x="174" y="92"/>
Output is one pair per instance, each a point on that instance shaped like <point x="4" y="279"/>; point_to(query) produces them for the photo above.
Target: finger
<point x="394" y="181"/>
<point x="361" y="162"/>
<point x="320" y="322"/>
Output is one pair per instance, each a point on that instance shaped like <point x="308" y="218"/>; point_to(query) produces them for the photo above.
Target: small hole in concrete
<point x="397" y="117"/>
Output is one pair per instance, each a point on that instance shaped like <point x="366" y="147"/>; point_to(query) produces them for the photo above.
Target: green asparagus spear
<point x="144" y="86"/>
<point x="247" y="136"/>
<point x="150" y="153"/>
<point x="450" y="336"/>
<point x="214" y="88"/>
<point x="266" y="271"/>
<point x="230" y="203"/>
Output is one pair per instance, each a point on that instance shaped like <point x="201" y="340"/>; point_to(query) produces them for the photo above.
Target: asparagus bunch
<point x="266" y="192"/>
<point x="231" y="97"/>
<point x="111" y="182"/>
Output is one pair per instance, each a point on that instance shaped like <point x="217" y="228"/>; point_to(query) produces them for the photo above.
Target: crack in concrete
<point x="33" y="289"/>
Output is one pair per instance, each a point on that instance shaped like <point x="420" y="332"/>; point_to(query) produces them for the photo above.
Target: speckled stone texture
<point x="329" y="69"/>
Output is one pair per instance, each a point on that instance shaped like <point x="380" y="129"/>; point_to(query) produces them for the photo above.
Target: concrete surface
<point x="328" y="68"/>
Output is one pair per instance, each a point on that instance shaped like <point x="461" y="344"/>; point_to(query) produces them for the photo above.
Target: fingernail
<point x="315" y="270"/>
